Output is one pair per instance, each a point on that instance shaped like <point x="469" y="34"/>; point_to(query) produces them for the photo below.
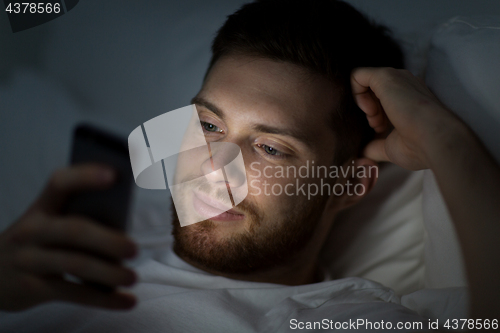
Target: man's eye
<point x="210" y="127"/>
<point x="271" y="151"/>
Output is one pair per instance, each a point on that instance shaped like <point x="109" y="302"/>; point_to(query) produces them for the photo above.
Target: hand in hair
<point x="427" y="135"/>
<point x="392" y="97"/>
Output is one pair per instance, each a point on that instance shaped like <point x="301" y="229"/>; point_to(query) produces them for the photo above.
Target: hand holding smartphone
<point x="109" y="207"/>
<point x="59" y="247"/>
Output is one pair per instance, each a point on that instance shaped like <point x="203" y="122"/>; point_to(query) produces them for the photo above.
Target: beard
<point x="266" y="244"/>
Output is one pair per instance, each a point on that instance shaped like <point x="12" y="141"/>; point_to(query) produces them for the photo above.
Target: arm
<point x="469" y="180"/>
<point x="427" y="135"/>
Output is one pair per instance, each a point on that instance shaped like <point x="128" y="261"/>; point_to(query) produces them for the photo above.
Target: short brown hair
<point x="328" y="37"/>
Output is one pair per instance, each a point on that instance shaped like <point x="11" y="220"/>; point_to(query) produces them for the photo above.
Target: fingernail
<point x="128" y="301"/>
<point x="131" y="251"/>
<point x="131" y="278"/>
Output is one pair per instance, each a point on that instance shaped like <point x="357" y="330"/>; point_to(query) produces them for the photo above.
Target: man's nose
<point x="222" y="167"/>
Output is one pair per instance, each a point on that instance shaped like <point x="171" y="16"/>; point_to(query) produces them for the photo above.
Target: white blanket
<point x="176" y="297"/>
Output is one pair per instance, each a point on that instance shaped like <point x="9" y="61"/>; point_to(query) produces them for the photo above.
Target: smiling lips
<point x="213" y="209"/>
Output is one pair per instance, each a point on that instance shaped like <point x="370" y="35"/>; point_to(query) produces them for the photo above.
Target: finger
<point x="421" y="81"/>
<point x="75" y="233"/>
<point x="379" y="122"/>
<point x="384" y="128"/>
<point x="56" y="262"/>
<point x="370" y="104"/>
<point x="69" y="180"/>
<point x="360" y="84"/>
<point x="375" y="150"/>
<point x="62" y="290"/>
<point x="376" y="121"/>
<point x="86" y="235"/>
<point x="371" y="78"/>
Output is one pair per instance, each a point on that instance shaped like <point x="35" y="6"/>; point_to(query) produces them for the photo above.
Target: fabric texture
<point x="176" y="297"/>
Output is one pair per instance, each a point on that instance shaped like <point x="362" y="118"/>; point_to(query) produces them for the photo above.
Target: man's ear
<point x="361" y="181"/>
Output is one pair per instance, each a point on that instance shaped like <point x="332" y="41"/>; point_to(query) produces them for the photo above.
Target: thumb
<point x="375" y="150"/>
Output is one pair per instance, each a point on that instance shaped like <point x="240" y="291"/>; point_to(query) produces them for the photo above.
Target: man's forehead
<point x="280" y="82"/>
<point x="282" y="89"/>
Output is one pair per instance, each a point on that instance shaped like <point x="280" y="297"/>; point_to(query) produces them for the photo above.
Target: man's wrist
<point x="449" y="138"/>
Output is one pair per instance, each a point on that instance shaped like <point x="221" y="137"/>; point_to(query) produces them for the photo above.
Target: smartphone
<point x="109" y="207"/>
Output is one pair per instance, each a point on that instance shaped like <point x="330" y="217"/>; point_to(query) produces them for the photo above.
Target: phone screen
<point x="110" y="206"/>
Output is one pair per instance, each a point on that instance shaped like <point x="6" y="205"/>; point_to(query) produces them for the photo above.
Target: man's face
<point x="279" y="115"/>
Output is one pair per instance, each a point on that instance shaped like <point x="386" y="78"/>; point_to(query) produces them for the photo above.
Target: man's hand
<point x="43" y="245"/>
<point x="392" y="97"/>
<point x="427" y="135"/>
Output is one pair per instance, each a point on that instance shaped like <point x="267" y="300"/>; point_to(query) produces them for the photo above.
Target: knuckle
<point x="22" y="233"/>
<point x="389" y="72"/>
<point x="389" y="76"/>
<point x="121" y="275"/>
<point x="31" y="286"/>
<point x="24" y="258"/>
<point x="406" y="72"/>
<point x="384" y="75"/>
<point x="129" y="277"/>
<point x="73" y="229"/>
<point x="76" y="265"/>
<point x="56" y="180"/>
<point x="29" y="228"/>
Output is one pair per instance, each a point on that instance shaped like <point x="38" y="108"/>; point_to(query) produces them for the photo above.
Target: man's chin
<point x="217" y="244"/>
<point x="246" y="246"/>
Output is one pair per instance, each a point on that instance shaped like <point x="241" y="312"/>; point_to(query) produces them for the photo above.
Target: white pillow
<point x="382" y="237"/>
<point x="464" y="72"/>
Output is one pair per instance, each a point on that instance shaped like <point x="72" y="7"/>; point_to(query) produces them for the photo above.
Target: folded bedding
<point x="176" y="297"/>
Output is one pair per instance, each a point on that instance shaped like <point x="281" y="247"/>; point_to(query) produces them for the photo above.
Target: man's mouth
<point x="211" y="208"/>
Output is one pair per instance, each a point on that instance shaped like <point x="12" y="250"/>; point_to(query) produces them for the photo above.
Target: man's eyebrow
<point x="284" y="131"/>
<point x="263" y="128"/>
<point x="203" y="102"/>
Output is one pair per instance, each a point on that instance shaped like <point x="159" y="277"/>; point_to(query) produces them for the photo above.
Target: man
<point x="263" y="55"/>
<point x="278" y="86"/>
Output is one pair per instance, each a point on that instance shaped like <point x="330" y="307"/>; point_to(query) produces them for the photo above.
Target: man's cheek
<point x="255" y="187"/>
<point x="269" y="187"/>
<point x="271" y="196"/>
